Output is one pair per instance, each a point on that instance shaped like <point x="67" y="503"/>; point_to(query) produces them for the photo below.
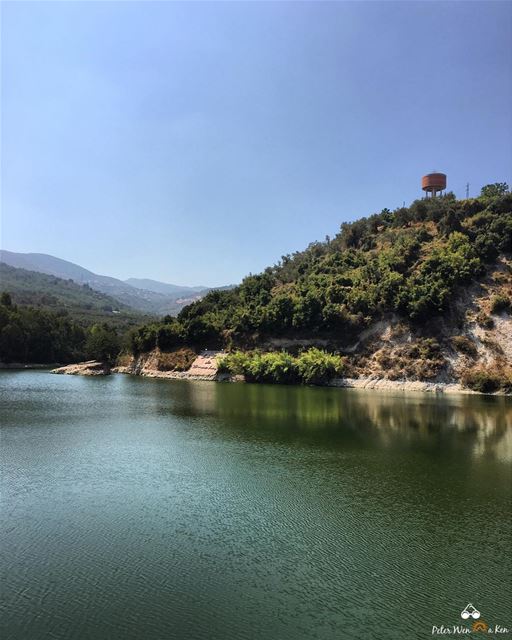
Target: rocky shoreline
<point x="377" y="384"/>
<point x="382" y="384"/>
<point x="205" y="368"/>
<point x="89" y="368"/>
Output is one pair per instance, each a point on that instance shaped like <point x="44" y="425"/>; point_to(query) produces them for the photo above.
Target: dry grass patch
<point x="420" y="360"/>
<point x="486" y="380"/>
<point x="493" y="346"/>
<point x="485" y="321"/>
<point x="464" y="345"/>
<point x="176" y="360"/>
<point x="123" y="360"/>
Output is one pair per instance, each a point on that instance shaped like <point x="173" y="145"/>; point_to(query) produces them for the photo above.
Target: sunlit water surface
<point x="147" y="509"/>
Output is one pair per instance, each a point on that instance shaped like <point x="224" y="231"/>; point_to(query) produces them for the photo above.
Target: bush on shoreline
<point x="487" y="381"/>
<point x="313" y="366"/>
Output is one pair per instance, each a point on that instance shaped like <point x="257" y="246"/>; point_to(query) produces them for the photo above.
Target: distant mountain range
<point x="80" y="301"/>
<point x="163" y="287"/>
<point x="148" y="296"/>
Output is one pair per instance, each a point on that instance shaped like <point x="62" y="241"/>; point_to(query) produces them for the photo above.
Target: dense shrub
<point x="143" y="338"/>
<point x="316" y="366"/>
<point x="235" y="363"/>
<point x="278" y="367"/>
<point x="485" y="380"/>
<point x="429" y="290"/>
<point x="102" y="343"/>
<point x="495" y="190"/>
<point x="310" y="367"/>
<point x="169" y="335"/>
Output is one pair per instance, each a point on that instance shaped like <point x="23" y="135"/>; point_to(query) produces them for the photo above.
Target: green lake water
<point x="160" y="510"/>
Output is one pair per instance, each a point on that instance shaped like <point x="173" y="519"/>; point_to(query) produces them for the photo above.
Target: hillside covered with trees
<point x="148" y="297"/>
<point x="80" y="301"/>
<point x="425" y="274"/>
<point x="45" y="319"/>
<point x="31" y="335"/>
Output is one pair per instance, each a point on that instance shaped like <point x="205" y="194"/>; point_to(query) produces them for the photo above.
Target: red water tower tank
<point x="433" y="183"/>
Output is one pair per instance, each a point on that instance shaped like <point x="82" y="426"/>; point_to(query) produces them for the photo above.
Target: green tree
<point x="494" y="190"/>
<point x="12" y="344"/>
<point x="102" y="343"/>
<point x="169" y="335"/>
<point x="316" y="366"/>
<point x="5" y="299"/>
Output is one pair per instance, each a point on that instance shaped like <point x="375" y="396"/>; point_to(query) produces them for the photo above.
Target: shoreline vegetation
<point x="215" y="367"/>
<point x="419" y="297"/>
<point x="210" y="367"/>
<point x="378" y="384"/>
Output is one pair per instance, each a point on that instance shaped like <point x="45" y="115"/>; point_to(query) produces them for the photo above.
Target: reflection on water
<point x="481" y="425"/>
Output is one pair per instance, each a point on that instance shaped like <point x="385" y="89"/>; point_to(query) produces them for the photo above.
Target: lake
<point x="152" y="509"/>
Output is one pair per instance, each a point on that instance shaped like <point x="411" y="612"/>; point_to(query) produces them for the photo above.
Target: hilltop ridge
<point x="420" y="293"/>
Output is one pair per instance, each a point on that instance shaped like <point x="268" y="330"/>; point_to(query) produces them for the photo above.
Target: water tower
<point x="433" y="183"/>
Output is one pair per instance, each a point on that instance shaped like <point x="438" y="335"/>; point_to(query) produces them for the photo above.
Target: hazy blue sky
<point x="195" y="143"/>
